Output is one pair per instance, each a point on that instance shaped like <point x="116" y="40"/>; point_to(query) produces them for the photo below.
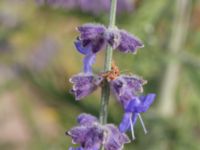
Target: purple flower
<point x="125" y="87"/>
<point x="136" y="105"/>
<point x="93" y="135"/>
<point x="84" y="84"/>
<point x="95" y="37"/>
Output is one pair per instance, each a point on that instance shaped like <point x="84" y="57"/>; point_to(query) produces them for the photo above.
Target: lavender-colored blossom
<point x="84" y="84"/>
<point x="125" y="87"/>
<point x="137" y="105"/>
<point x="94" y="37"/>
<point x="92" y="135"/>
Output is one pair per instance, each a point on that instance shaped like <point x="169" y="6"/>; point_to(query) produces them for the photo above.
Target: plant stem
<point x="107" y="67"/>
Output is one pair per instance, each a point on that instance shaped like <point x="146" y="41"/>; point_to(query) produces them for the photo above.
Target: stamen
<point x="143" y="125"/>
<point x="132" y="129"/>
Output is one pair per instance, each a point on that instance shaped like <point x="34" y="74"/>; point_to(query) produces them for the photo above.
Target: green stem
<point x="107" y="67"/>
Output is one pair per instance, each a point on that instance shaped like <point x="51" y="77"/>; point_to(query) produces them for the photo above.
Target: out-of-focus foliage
<point x="37" y="57"/>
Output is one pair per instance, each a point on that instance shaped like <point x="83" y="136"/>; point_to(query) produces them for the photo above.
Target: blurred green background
<point x="37" y="57"/>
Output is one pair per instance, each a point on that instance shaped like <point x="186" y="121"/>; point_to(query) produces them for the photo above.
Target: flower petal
<point x="125" y="83"/>
<point x="134" y="83"/>
<point x="91" y="31"/>
<point x="78" y="134"/>
<point x="89" y="137"/>
<point x="92" y="36"/>
<point x="94" y="138"/>
<point x="146" y="102"/>
<point x="125" y="87"/>
<point x="89" y="58"/>
<point x="125" y="123"/>
<point x="83" y="50"/>
<point x="122" y="138"/>
<point x="88" y="61"/>
<point x="115" y="140"/>
<point x="133" y="105"/>
<point x="140" y="104"/>
<point x="113" y="37"/>
<point x="86" y="119"/>
<point x="84" y="84"/>
<point x="129" y="43"/>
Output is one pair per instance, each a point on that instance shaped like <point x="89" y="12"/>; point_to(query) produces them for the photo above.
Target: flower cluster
<point x="95" y="7"/>
<point x="90" y="134"/>
<point x="95" y="37"/>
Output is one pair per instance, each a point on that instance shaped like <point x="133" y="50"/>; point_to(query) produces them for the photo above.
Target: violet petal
<point x="126" y="87"/>
<point x="125" y="123"/>
<point x="78" y="134"/>
<point x="83" y="50"/>
<point x="92" y="35"/>
<point x="129" y="43"/>
<point x="88" y="61"/>
<point x="86" y="119"/>
<point x="140" y="104"/>
<point x="84" y="84"/>
<point x="115" y="139"/>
